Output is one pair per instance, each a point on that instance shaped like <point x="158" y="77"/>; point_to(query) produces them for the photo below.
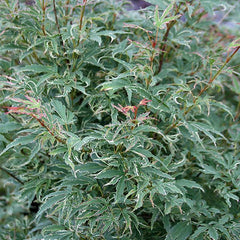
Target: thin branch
<point x="164" y="40"/>
<point x="42" y="123"/>
<point x="82" y="14"/>
<point x="163" y="48"/>
<point x="57" y="23"/>
<point x="43" y="17"/>
<point x="81" y="18"/>
<point x="66" y="11"/>
<point x="218" y="72"/>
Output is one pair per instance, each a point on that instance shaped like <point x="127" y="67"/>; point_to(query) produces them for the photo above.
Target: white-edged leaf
<point x="213" y="233"/>
<point x="23" y="140"/>
<point x="188" y="183"/>
<point x="50" y="203"/>
<point x="120" y="190"/>
<point x="9" y="126"/>
<point x="109" y="173"/>
<point x="36" y="68"/>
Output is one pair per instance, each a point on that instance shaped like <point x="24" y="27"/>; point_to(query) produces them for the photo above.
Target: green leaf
<point x="10" y="46"/>
<point x="236" y="85"/>
<point x="198" y="232"/>
<point x="50" y="203"/>
<point x="206" y="129"/>
<point x="147" y="154"/>
<point x="213" y="233"/>
<point x="223" y="107"/>
<point x="120" y="190"/>
<point x="108" y="173"/>
<point x="23" y="140"/>
<point x="36" y="68"/>
<point x="180" y="231"/>
<point x="152" y="170"/>
<point x="68" y="160"/>
<point x="159" y="22"/>
<point x="115" y="84"/>
<point x="89" y="168"/>
<point x="188" y="183"/>
<point x="9" y="126"/>
<point x="140" y="198"/>
<point x="53" y="228"/>
<point x="66" y="117"/>
<point x="128" y="220"/>
<point x="79" y="144"/>
<point x="159" y="187"/>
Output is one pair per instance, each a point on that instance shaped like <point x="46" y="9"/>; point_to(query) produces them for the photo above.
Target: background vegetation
<point x="119" y="124"/>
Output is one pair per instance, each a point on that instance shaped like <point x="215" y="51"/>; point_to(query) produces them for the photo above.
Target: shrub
<point x="119" y="124"/>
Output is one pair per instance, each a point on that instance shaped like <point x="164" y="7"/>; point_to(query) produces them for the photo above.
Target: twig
<point x="66" y="11"/>
<point x="82" y="14"/>
<point x="43" y="18"/>
<point x="48" y="129"/>
<point x="163" y="48"/>
<point x="81" y="17"/>
<point x="57" y="23"/>
<point x="217" y="73"/>
<point x="165" y="37"/>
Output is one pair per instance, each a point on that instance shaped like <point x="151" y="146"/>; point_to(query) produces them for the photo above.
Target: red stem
<point x="48" y="129"/>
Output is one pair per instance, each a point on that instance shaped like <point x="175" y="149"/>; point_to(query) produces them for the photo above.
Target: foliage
<point x="119" y="124"/>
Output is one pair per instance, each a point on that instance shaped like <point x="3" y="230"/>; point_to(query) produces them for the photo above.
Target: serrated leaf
<point x="59" y="108"/>
<point x="109" y="173"/>
<point x="96" y="38"/>
<point x="23" y="140"/>
<point x="10" y="46"/>
<point x="140" y="197"/>
<point x="213" y="233"/>
<point x="142" y="92"/>
<point x="128" y="220"/>
<point x="188" y="183"/>
<point x="89" y="168"/>
<point x="171" y="186"/>
<point x="9" y="126"/>
<point x="36" y="68"/>
<point x="79" y="144"/>
<point x="152" y="170"/>
<point x="158" y="185"/>
<point x="159" y="22"/>
<point x="115" y="84"/>
<point x="120" y="190"/>
<point x="68" y="160"/>
<point x="52" y="228"/>
<point x="80" y="88"/>
<point x="223" y="107"/>
<point x="146" y="154"/>
<point x="49" y="204"/>
<point x="180" y="231"/>
<point x="236" y="85"/>
<point x="206" y="129"/>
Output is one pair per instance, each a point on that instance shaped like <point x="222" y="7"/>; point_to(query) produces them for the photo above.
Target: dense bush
<point x="119" y="124"/>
